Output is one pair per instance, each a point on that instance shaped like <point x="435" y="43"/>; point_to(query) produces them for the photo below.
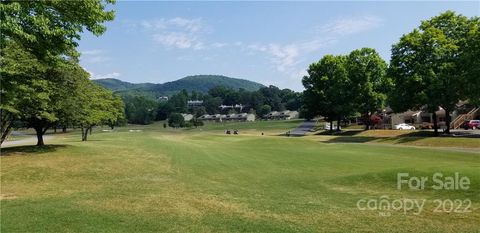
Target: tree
<point x="426" y="66"/>
<point x="21" y="82"/>
<point x="219" y="91"/>
<point x="38" y="42"/>
<point x="176" y="120"/>
<point x="328" y="89"/>
<point x="367" y="72"/>
<point x="179" y="101"/>
<point x="470" y="61"/>
<point x="117" y="111"/>
<point x="33" y="97"/>
<point x="140" y="109"/>
<point x="264" y="110"/>
<point x="195" y="122"/>
<point x="272" y="97"/>
<point x="212" y="104"/>
<point x="51" y="28"/>
<point x="96" y="105"/>
<point x="164" y="109"/>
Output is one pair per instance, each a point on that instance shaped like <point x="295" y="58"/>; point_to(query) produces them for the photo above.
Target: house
<point x="194" y="103"/>
<point x="423" y="118"/>
<point x="187" y="117"/>
<point x="229" y="117"/>
<point x="283" y="115"/>
<point x="244" y="117"/>
<point x="163" y="98"/>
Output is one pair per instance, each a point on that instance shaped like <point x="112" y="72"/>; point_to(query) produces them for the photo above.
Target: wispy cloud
<point x="286" y="57"/>
<point x="177" y="32"/>
<point x="92" y="52"/>
<point x="94" y="56"/>
<point x="102" y="76"/>
<point x="348" y="26"/>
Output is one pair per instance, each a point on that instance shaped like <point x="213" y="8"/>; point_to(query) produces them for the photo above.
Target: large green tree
<point x="24" y="90"/>
<point x="370" y="85"/>
<point x="426" y="66"/>
<point x="471" y="61"/>
<point x="51" y="28"/>
<point x="328" y="89"/>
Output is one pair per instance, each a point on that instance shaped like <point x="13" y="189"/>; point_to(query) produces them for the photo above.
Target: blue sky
<point x="268" y="42"/>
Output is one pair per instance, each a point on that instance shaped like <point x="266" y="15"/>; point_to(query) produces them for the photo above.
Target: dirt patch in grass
<point x="7" y="196"/>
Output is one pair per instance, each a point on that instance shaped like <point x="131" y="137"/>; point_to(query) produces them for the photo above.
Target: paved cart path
<point x="304" y="128"/>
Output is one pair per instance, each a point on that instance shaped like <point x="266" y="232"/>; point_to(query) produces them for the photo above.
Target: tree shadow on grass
<point x="340" y="133"/>
<point x="351" y="137"/>
<point x="29" y="150"/>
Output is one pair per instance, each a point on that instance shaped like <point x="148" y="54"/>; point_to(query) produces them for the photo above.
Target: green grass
<point x="399" y="137"/>
<point x="192" y="180"/>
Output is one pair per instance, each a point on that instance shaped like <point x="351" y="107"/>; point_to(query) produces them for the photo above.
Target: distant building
<point x="187" y="117"/>
<point x="163" y="98"/>
<point x="236" y="106"/>
<point x="424" y="119"/>
<point x="229" y="117"/>
<point x="194" y="103"/>
<point x="283" y="115"/>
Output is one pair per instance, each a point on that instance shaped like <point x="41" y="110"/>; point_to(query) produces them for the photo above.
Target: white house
<point x="187" y="117"/>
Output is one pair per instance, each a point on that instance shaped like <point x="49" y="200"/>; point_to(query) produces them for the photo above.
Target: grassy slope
<point x="162" y="180"/>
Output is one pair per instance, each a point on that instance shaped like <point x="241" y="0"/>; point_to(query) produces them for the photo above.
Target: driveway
<point x="303" y="129"/>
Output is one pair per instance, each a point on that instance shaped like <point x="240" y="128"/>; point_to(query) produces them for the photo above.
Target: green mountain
<point x="118" y="85"/>
<point x="199" y="83"/>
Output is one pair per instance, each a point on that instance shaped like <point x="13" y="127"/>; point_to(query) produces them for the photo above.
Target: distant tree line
<point x="43" y="86"/>
<point x="435" y="65"/>
<point x="144" y="109"/>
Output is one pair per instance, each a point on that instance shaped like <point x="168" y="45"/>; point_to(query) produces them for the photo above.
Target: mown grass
<point x="399" y="137"/>
<point x="167" y="180"/>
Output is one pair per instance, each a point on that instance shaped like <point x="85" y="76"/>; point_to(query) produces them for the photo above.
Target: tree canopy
<point x="50" y="28"/>
<point x="427" y="65"/>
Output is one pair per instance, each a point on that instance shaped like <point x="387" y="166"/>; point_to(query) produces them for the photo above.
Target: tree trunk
<point x="55" y="129"/>
<point x="90" y="129"/>
<point x="447" y="120"/>
<point x="84" y="133"/>
<point x="40" y="132"/>
<point x="435" y="124"/>
<point x="367" y="121"/>
<point x="338" y="124"/>
<point x="5" y="133"/>
<point x="64" y="129"/>
<point x="331" y="125"/>
<point x="6" y="126"/>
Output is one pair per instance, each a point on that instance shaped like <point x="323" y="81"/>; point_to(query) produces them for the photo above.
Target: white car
<point x="404" y="126"/>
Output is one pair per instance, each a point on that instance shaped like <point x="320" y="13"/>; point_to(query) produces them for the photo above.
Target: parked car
<point x="472" y="124"/>
<point x="404" y="126"/>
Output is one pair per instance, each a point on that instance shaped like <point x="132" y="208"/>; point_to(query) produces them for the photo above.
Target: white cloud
<point x="102" y="76"/>
<point x="177" y="32"/>
<point x="350" y="26"/>
<point x="287" y="57"/>
<point x="94" y="56"/>
<point x="92" y="52"/>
